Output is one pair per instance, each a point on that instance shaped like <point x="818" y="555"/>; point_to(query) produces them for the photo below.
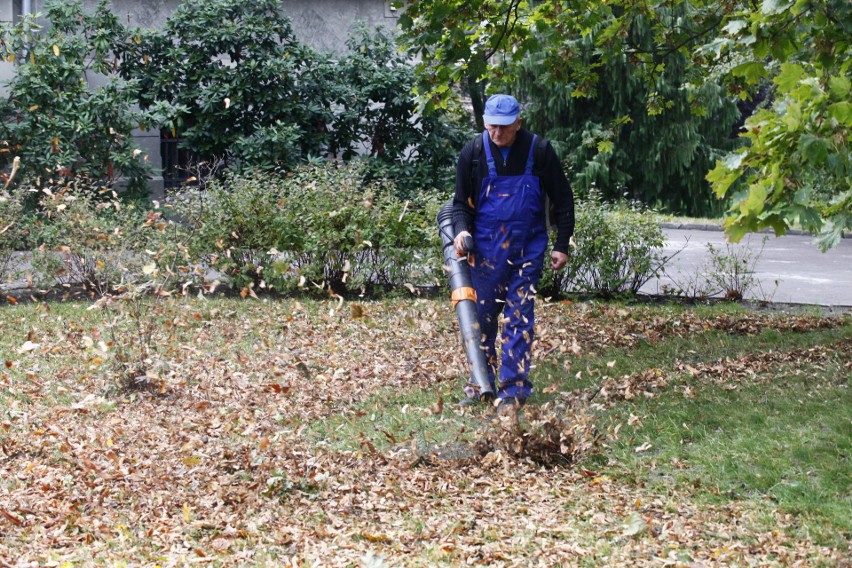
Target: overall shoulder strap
<point x="489" y="159"/>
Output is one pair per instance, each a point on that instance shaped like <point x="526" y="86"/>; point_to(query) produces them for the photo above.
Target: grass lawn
<point x="301" y="433"/>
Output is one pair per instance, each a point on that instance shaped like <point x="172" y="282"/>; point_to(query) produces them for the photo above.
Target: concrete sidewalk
<point x="788" y="269"/>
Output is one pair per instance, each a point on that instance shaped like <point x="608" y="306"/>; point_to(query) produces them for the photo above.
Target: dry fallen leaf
<point x="635" y="525"/>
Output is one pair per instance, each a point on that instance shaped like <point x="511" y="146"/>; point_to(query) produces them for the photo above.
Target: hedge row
<point x="323" y="228"/>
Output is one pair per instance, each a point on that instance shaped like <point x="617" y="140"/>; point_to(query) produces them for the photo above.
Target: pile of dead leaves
<point x="576" y="329"/>
<point x="547" y="435"/>
<point x="753" y="364"/>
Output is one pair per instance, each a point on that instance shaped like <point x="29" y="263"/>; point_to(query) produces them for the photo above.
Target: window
<point x="12" y="10"/>
<point x="176" y="160"/>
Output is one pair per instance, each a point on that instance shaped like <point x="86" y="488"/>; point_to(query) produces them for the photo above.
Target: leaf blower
<point x="463" y="297"/>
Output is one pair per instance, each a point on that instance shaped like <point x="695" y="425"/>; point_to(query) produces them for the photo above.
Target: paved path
<point x="788" y="269"/>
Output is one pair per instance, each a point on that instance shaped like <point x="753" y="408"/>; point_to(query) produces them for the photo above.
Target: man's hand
<point x="558" y="260"/>
<point x="459" y="243"/>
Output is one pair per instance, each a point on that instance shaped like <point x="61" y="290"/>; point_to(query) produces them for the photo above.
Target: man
<point x="501" y="183"/>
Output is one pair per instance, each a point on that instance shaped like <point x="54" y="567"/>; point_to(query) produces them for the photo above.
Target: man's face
<point x="504" y="136"/>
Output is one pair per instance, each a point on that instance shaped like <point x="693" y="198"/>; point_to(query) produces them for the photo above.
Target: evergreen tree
<point x="626" y="136"/>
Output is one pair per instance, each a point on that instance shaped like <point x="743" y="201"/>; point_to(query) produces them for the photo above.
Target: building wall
<point x="321" y="24"/>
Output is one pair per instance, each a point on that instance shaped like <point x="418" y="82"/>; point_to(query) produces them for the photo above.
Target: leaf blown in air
<point x="548" y="435"/>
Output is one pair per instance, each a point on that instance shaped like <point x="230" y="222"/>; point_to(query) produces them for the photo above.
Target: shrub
<point x="60" y="125"/>
<point x="230" y="72"/>
<point x="359" y="234"/>
<point x="727" y="272"/>
<point x="618" y="249"/>
<point x="231" y="79"/>
<point x="730" y="271"/>
<point x="377" y="110"/>
<point x="243" y="89"/>
<point x="235" y="223"/>
<point x="320" y="224"/>
<point x="90" y="238"/>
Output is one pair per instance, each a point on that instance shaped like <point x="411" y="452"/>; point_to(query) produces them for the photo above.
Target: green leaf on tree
<point x="734" y="160"/>
<point x="839" y="87"/>
<point x="735" y="229"/>
<point x="605" y="146"/>
<point x="789" y="77"/>
<point x="793" y="116"/>
<point x="772" y="7"/>
<point x="841" y="112"/>
<point x="813" y="148"/>
<point x="808" y="217"/>
<point x="721" y="178"/>
<point x="754" y="203"/>
<point x="752" y="71"/>
<point x="775" y="220"/>
<point x="735" y="26"/>
<point x="829" y="236"/>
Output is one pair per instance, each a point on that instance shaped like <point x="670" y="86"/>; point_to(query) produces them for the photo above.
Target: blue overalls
<point x="510" y="240"/>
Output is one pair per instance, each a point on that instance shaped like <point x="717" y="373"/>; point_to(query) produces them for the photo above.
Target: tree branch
<point x="513" y="8"/>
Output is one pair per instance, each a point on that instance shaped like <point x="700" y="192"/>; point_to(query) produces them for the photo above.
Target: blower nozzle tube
<point x="464" y="299"/>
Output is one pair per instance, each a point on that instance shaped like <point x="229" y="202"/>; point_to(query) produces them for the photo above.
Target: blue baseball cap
<point x="501" y="110"/>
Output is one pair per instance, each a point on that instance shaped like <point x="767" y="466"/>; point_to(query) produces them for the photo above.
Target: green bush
<point x="90" y="238"/>
<point x="375" y="109"/>
<point x="359" y="235"/>
<point x="230" y="72"/>
<point x="59" y="124"/>
<point x="235" y="223"/>
<point x="618" y="249"/>
<point x="319" y="227"/>
<point x="242" y="88"/>
<point x="231" y="80"/>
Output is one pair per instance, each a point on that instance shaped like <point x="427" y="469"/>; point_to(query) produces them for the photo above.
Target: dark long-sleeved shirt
<point x="552" y="179"/>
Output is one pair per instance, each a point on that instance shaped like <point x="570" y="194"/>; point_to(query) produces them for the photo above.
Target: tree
<point x="612" y="83"/>
<point x="654" y="146"/>
<point x="464" y="41"/>
<point x="796" y="166"/>
<point x="231" y="71"/>
<point x="376" y="113"/>
<point x="793" y="165"/>
<point x="67" y="114"/>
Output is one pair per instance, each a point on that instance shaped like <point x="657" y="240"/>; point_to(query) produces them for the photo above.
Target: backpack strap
<point x="538" y="150"/>
<point x="474" y="163"/>
<point x="539" y="146"/>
